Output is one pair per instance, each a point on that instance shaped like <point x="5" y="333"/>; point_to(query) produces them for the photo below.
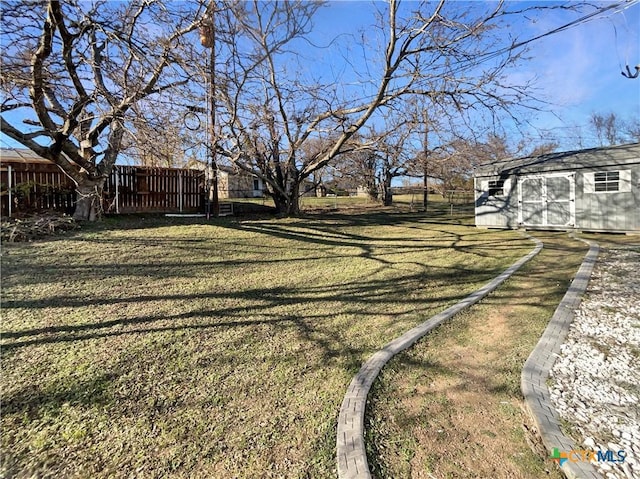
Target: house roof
<point x="620" y="155"/>
<point x="20" y="155"/>
<point x="230" y="170"/>
<point x="24" y="155"/>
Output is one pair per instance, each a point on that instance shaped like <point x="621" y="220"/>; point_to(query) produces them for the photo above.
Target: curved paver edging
<point x="351" y="453"/>
<point x="535" y="373"/>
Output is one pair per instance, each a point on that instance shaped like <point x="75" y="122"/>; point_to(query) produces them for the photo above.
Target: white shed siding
<point x="609" y="210"/>
<point x="615" y="209"/>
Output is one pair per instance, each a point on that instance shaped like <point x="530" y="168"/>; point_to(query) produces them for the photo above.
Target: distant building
<point x="595" y="189"/>
<point x="234" y="183"/>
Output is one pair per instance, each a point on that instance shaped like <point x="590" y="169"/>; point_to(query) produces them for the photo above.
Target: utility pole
<point x="208" y="40"/>
<point x="425" y="164"/>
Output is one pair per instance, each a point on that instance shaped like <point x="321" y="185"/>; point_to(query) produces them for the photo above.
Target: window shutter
<point x="625" y="181"/>
<point x="587" y="182"/>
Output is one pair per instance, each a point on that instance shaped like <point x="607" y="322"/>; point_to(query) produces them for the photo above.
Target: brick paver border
<point x="351" y="453"/>
<point x="535" y="373"/>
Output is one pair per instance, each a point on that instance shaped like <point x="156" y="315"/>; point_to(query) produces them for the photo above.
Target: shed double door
<point x="547" y="200"/>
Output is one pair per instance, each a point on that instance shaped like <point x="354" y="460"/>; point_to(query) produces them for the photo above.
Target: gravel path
<point x="596" y="378"/>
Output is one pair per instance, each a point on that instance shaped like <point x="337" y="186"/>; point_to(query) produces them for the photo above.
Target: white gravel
<point x="596" y="378"/>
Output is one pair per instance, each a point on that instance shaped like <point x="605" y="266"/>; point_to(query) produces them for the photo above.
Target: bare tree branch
<point x="90" y="64"/>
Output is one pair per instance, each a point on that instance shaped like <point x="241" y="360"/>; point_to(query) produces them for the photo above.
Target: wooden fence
<point x="34" y="185"/>
<point x="38" y="184"/>
<point x="135" y="189"/>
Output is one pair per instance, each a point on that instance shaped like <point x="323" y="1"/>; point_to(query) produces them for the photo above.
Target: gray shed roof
<point x="620" y="155"/>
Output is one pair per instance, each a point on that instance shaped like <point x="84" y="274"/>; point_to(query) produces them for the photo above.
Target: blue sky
<point x="577" y="71"/>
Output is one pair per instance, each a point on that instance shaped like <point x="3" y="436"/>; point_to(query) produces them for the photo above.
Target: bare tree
<point x="73" y="73"/>
<point x="264" y="107"/>
<point x="632" y="130"/>
<point x="451" y="55"/>
<point x="544" y="148"/>
<point x="452" y="165"/>
<point x="372" y="158"/>
<point x="157" y="135"/>
<point x="611" y="129"/>
<point x="607" y="128"/>
<point x="599" y="129"/>
<point x="359" y="169"/>
<point x="395" y="154"/>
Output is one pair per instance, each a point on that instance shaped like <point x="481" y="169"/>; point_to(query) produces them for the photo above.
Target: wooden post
<point x="180" y="198"/>
<point x="425" y="166"/>
<point x="10" y="186"/>
<point x="117" y="178"/>
<point x="208" y="40"/>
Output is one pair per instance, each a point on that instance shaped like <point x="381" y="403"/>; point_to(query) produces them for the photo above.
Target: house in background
<point x="234" y="183"/>
<point x="595" y="189"/>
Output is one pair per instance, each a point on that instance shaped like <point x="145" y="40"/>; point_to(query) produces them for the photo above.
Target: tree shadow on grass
<point x="359" y="297"/>
<point x="371" y="294"/>
<point x="32" y="398"/>
<point x="330" y="345"/>
<point x="373" y="217"/>
<point x="310" y="238"/>
<point x="260" y="306"/>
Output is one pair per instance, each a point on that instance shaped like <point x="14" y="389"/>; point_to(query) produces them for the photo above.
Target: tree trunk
<point x="387" y="196"/>
<point x="293" y="208"/>
<point x="89" y="200"/>
<point x="385" y="189"/>
<point x="289" y="204"/>
<point x="372" y="190"/>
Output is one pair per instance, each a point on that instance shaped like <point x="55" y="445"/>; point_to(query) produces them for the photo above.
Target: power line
<point x="579" y="21"/>
<point x="480" y="58"/>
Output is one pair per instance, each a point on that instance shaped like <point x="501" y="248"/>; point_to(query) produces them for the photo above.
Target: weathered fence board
<point x="134" y="189"/>
<point x="32" y="184"/>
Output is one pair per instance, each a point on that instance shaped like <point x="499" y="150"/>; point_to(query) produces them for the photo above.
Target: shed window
<point x="256" y="184"/>
<point x="496" y="187"/>
<point x="606" y="181"/>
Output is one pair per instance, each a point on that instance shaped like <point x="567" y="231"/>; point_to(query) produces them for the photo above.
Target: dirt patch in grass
<point x="451" y="406"/>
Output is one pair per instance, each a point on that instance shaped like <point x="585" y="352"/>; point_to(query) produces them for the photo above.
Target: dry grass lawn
<point x="179" y="348"/>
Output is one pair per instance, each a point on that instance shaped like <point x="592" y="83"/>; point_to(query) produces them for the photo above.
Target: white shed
<point x="596" y="189"/>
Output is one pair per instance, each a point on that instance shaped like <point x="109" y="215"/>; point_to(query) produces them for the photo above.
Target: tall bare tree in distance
<point x="453" y="56"/>
<point x="612" y="129"/>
